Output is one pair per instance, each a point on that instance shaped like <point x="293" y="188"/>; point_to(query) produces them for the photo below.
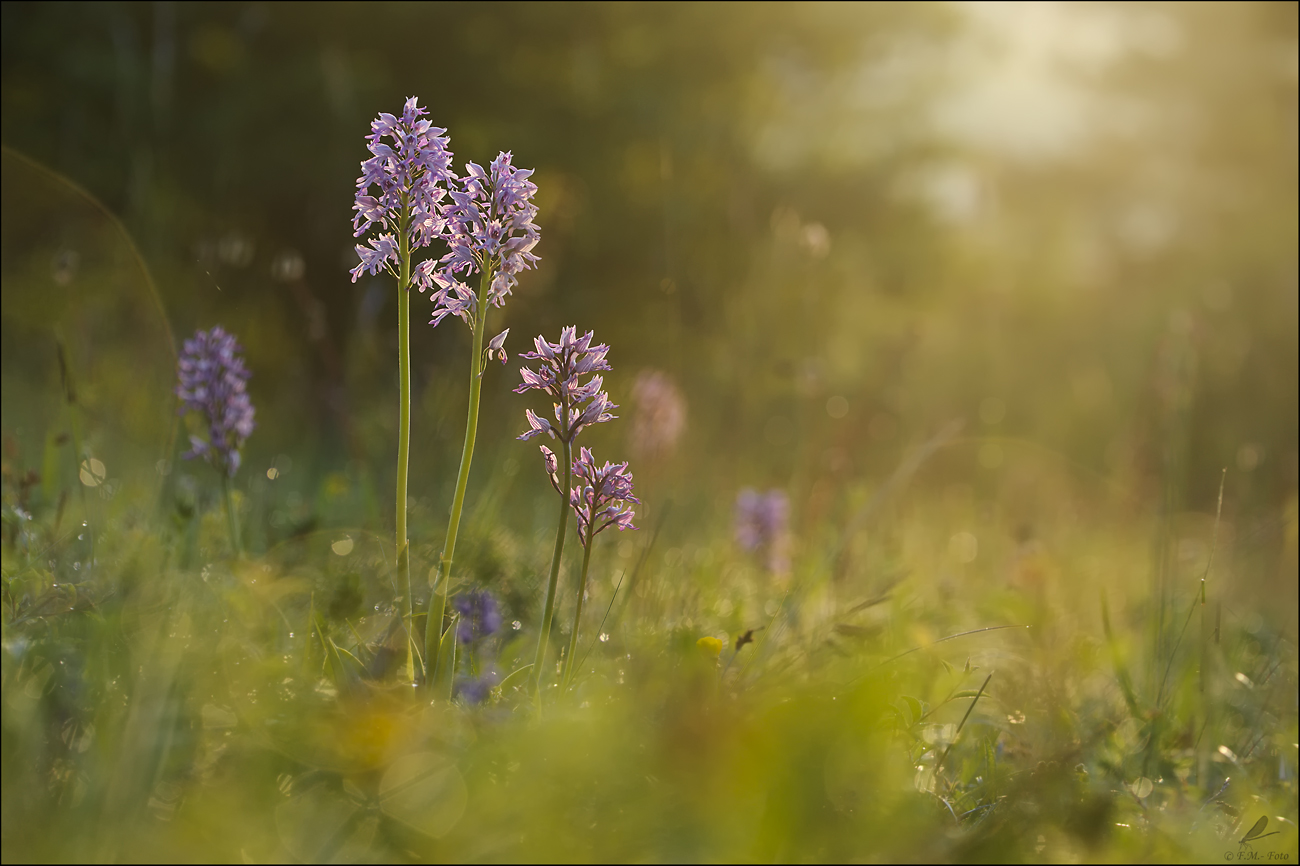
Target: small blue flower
<point x="476" y="690"/>
<point x="480" y="615"/>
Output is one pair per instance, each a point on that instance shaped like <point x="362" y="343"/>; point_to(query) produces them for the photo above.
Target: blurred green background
<point x="995" y="292"/>
<point x="1081" y="218"/>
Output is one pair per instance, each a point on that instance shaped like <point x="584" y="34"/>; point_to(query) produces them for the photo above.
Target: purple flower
<point x="213" y="381"/>
<point x="761" y="521"/>
<point x="603" y="496"/>
<point x="660" y="415"/>
<point x="496" y="347"/>
<point x="490" y="229"/>
<point x="480" y="616"/>
<point x="552" y="465"/>
<point x="407" y="175"/>
<point x="476" y="690"/>
<point x="558" y="375"/>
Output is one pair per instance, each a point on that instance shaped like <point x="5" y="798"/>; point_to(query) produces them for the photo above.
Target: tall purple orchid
<point x="602" y="498"/>
<point x="213" y="381"/>
<point x="409" y="174"/>
<point x="577" y="404"/>
<point x="400" y="199"/>
<point x="490" y="230"/>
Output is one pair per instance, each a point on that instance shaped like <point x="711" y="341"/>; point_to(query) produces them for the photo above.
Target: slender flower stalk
<point x="489" y="230"/>
<point x="213" y="382"/>
<point x="408" y="175"/>
<point x="601" y="499"/>
<point x="548" y="609"/>
<point x="577" y="405"/>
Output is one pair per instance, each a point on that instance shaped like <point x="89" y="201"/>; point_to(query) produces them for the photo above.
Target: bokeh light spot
<point x="93" y="472"/>
<point x="287" y="266"/>
<point x="963" y="547"/>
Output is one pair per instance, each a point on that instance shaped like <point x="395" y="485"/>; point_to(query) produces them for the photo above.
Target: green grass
<point x="164" y="700"/>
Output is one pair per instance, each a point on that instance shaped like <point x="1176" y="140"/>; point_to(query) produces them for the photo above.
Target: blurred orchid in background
<point x="760" y="525"/>
<point x="213" y="382"/>
<point x="659" y="418"/>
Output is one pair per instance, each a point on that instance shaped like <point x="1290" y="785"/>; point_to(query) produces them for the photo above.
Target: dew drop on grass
<point x="516" y="625"/>
<point x="604" y="636"/>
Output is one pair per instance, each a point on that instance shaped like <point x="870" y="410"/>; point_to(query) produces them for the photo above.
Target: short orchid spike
<point x="602" y="498"/>
<point x="559" y="376"/>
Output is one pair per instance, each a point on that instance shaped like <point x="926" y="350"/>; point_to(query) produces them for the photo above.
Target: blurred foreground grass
<point x="163" y="701"/>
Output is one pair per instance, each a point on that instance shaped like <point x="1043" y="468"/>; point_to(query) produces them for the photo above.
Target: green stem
<point x="438" y="600"/>
<point x="404" y="426"/>
<point x="549" y="610"/>
<point x="570" y="665"/>
<point x="231" y="522"/>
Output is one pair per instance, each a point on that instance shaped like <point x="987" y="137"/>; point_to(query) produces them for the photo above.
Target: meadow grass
<point x="911" y="699"/>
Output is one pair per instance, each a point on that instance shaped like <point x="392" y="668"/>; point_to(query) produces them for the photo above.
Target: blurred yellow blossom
<point x="710" y="645"/>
